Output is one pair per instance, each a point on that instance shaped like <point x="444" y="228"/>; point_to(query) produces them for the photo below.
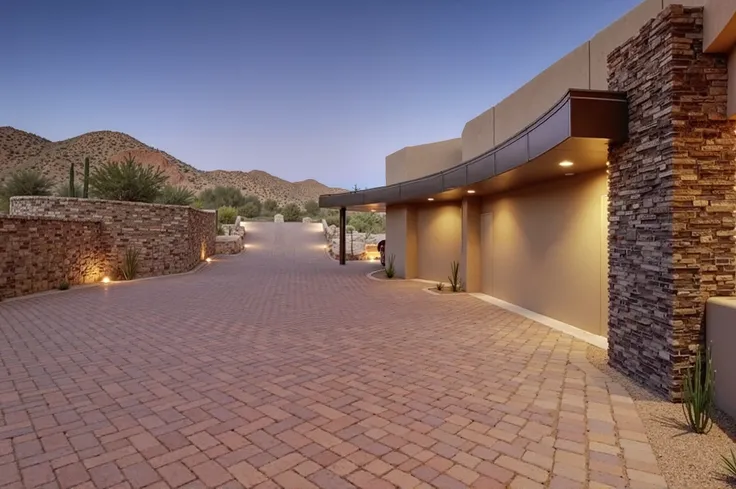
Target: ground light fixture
<point x="105" y="280"/>
<point x="430" y="199"/>
<point x="569" y="174"/>
<point x="471" y="191"/>
<point x="565" y="164"/>
<point x="208" y="259"/>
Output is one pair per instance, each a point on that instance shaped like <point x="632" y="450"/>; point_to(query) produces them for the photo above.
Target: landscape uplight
<point x="430" y="199"/>
<point x="209" y="260"/>
<point x="105" y="280"/>
<point x="471" y="191"/>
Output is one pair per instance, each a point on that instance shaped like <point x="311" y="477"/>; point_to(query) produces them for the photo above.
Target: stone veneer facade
<point x="671" y="199"/>
<point x="170" y="239"/>
<point x="38" y="254"/>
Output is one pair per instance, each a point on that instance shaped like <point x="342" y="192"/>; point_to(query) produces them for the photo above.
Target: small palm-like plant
<point x="390" y="271"/>
<point x="176" y="195"/>
<point x="26" y="182"/>
<point x="127" y="180"/>
<point x="699" y="393"/>
<point x="131" y="264"/>
<point x="454" y="277"/>
<point x="729" y="465"/>
<point x="439" y="286"/>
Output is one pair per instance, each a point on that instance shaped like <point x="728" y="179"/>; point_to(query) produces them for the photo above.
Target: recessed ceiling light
<point x="565" y="163"/>
<point x="430" y="199"/>
<point x="471" y="191"/>
<point x="569" y="174"/>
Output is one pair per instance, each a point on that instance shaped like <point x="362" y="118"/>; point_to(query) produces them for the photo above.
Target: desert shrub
<point x="367" y="222"/>
<point x="176" y="195"/>
<point x="25" y="182"/>
<point x="64" y="285"/>
<point x="699" y="394"/>
<point x="227" y="215"/>
<point x="127" y="180"/>
<point x="454" y="277"/>
<point x="291" y="212"/>
<point x="131" y="263"/>
<point x="214" y="198"/>
<point x="270" y="206"/>
<point x="250" y="210"/>
<point x="220" y="230"/>
<point x="439" y="286"/>
<point x="311" y="207"/>
<point x="331" y="217"/>
<point x="63" y="190"/>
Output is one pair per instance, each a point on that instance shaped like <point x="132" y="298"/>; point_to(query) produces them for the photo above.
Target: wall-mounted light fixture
<point x="566" y="163"/>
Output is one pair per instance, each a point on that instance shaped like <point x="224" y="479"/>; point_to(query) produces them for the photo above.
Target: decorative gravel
<point x="687" y="460"/>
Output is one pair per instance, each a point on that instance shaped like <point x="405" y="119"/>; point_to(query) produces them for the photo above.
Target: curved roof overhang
<point x="578" y="128"/>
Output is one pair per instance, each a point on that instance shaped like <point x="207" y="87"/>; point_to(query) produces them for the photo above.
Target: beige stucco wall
<point x="732" y="84"/>
<point x="549" y="250"/>
<point x="585" y="67"/>
<point x="401" y="239"/>
<point x="439" y="236"/>
<point x="417" y="161"/>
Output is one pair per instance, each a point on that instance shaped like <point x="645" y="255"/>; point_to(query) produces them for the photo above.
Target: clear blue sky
<point x="299" y="88"/>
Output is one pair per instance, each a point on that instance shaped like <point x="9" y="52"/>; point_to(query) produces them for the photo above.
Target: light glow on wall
<point x="566" y="163"/>
<point x="430" y="199"/>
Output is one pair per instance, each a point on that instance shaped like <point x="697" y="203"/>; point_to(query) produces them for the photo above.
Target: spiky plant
<point x="454" y="277"/>
<point x="127" y="180"/>
<point x="176" y="195"/>
<point x="729" y="465"/>
<point x="130" y="265"/>
<point x="699" y="393"/>
<point x="26" y="182"/>
<point x="439" y="286"/>
<point x="390" y="270"/>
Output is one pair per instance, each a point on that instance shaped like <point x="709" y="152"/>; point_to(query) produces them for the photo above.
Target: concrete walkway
<point x="279" y="368"/>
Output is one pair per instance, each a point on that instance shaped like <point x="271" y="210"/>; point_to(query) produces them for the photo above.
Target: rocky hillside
<point x="20" y="149"/>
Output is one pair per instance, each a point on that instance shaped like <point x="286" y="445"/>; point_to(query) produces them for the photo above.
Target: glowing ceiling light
<point x="471" y="191"/>
<point x="566" y="163"/>
<point x="430" y="199"/>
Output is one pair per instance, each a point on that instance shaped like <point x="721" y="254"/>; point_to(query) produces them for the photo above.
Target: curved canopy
<point x="578" y="128"/>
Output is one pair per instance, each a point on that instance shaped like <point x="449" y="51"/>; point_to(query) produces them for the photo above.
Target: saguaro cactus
<point x="85" y="192"/>
<point x="72" y="192"/>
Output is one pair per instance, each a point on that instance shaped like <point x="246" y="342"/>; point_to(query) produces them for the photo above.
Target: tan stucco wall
<point x="732" y="84"/>
<point x="439" y="236"/>
<point x="417" y="161"/>
<point x="401" y="239"/>
<point x="719" y="26"/>
<point x="549" y="248"/>
<point x="585" y="67"/>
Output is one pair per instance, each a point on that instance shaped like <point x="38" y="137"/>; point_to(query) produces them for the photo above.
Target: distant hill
<point x="20" y="149"/>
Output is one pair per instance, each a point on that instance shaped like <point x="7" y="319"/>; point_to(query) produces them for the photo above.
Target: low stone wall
<point x="169" y="239"/>
<point x="228" y="245"/>
<point x="38" y="254"/>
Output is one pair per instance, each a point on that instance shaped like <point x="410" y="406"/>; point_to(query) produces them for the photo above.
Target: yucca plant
<point x="175" y="195"/>
<point x="131" y="264"/>
<point x="699" y="393"/>
<point x="390" y="271"/>
<point x="454" y="277"/>
<point x="440" y="285"/>
<point x="729" y="465"/>
<point x="127" y="180"/>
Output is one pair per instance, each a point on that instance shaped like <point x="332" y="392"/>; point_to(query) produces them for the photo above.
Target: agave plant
<point x="454" y="277"/>
<point x="390" y="271"/>
<point x="131" y="264"/>
<point x="699" y="393"/>
<point x="729" y="465"/>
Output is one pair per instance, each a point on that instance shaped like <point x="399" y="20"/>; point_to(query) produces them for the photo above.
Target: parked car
<point x="382" y="251"/>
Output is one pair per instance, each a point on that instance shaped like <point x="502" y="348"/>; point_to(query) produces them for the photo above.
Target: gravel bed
<point x="687" y="460"/>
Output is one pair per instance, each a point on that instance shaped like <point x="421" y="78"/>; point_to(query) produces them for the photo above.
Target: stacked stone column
<point x="671" y="199"/>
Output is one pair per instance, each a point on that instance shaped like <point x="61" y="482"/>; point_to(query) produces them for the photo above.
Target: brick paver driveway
<point x="278" y="368"/>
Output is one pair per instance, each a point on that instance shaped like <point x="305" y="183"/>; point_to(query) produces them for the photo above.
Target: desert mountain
<point x="20" y="149"/>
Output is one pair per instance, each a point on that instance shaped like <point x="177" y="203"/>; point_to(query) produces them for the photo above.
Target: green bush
<point x="176" y="195"/>
<point x="291" y="212"/>
<point x="331" y="217"/>
<point x="64" y="285"/>
<point x="227" y="215"/>
<point x="311" y="207"/>
<point x="699" y="394"/>
<point x="271" y="206"/>
<point x="367" y="222"/>
<point x="25" y="182"/>
<point x="127" y="180"/>
<point x="250" y="210"/>
<point x="214" y="198"/>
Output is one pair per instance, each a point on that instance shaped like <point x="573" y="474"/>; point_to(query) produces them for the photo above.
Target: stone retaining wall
<point x="38" y="254"/>
<point x="170" y="239"/>
<point x="671" y="199"/>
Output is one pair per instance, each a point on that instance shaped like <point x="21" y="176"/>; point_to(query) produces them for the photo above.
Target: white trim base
<point x="593" y="339"/>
